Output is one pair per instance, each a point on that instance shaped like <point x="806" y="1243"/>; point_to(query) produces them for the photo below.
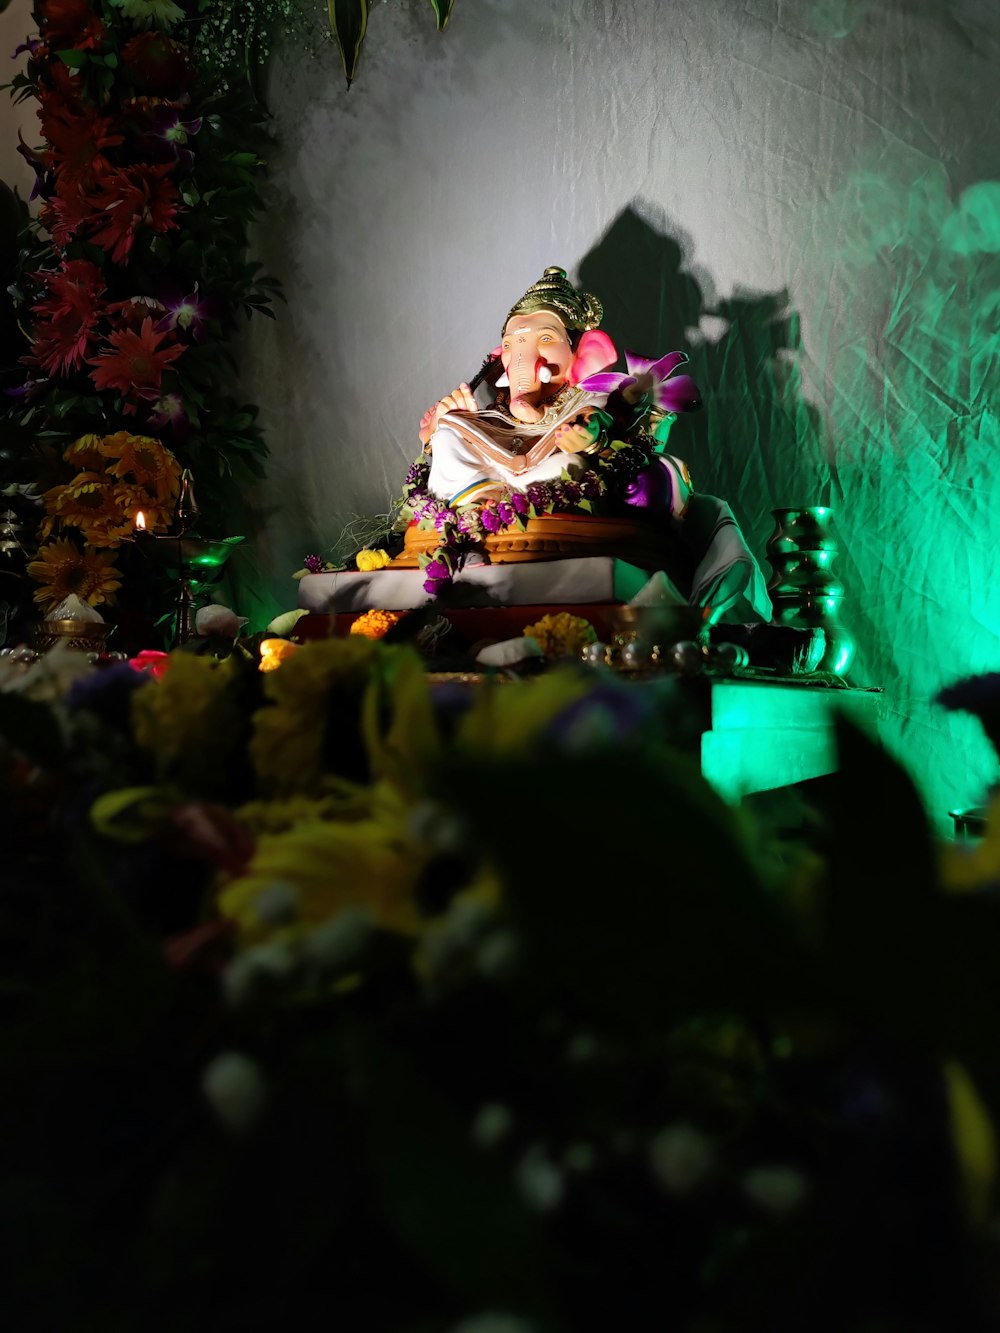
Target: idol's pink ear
<point x="595" y="351"/>
<point x="495" y="354"/>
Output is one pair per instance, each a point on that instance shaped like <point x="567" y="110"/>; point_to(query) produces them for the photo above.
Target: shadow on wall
<point x="758" y="443"/>
<point x="758" y="440"/>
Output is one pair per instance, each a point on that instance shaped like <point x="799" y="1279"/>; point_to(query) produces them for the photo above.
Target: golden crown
<point x="554" y="292"/>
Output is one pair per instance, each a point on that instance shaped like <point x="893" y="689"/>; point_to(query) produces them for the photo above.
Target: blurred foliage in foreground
<point x="456" y="1010"/>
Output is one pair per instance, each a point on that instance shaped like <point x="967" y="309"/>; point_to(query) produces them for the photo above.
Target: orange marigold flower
<point x="376" y="624"/>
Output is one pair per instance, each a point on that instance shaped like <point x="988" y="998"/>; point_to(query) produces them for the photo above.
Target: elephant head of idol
<point x="551" y="340"/>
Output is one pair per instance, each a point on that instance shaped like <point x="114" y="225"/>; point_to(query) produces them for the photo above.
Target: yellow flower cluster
<point x="114" y="477"/>
<point x="375" y="624"/>
<point x="289" y="735"/>
<point x="345" y="750"/>
<point x="561" y="635"/>
<point x="62" y="568"/>
<point x="275" y="651"/>
<point x="374" y="864"/>
<point x="367" y="561"/>
<point x="191" y="723"/>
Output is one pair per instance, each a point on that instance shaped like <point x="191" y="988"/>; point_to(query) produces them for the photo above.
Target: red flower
<point x="133" y="198"/>
<point x="152" y="660"/>
<point x="70" y="23"/>
<point x="136" y="364"/>
<point x="77" y="144"/>
<point x="67" y="317"/>
<point x="65" y="214"/>
<point x="165" y="66"/>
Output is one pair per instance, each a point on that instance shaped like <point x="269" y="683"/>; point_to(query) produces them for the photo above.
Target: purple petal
<point x="638" y="365"/>
<point x="605" y="382"/>
<point x="667" y="364"/>
<point x="679" y="394"/>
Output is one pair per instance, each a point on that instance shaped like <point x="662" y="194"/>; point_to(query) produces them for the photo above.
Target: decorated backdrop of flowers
<point x="134" y="272"/>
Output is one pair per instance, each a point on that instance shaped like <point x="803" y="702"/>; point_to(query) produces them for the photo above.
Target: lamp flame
<point x="140" y="521"/>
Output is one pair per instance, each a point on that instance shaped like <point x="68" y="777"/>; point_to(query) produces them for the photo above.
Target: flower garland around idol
<point x="462" y="529"/>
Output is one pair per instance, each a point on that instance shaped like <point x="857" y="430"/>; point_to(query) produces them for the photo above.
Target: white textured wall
<point x="804" y="193"/>
<point x="809" y="183"/>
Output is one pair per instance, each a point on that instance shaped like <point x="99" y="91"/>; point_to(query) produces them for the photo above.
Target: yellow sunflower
<point x="145" y="459"/>
<point x="373" y="864"/>
<point x="62" y="568"/>
<point x="158" y="516"/>
<point x="86" y="501"/>
<point x="86" y="453"/>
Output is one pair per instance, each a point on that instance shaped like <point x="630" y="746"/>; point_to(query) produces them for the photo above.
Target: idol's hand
<point x="459" y="400"/>
<point x="576" y="437"/>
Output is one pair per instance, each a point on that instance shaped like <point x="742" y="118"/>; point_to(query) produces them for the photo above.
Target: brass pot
<point x="88" y="636"/>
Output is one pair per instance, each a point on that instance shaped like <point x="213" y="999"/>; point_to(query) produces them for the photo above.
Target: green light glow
<point x="884" y="413"/>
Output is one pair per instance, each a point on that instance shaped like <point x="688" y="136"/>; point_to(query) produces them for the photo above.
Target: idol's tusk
<point x="503" y="382"/>
<point x="545" y="375"/>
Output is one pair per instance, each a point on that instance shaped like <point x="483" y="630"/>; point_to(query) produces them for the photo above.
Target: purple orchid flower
<point x="169" y="135"/>
<point x="188" y="314"/>
<point x="168" y="410"/>
<point x="30" y="44"/>
<point x="676" y="394"/>
<point x="314" y="564"/>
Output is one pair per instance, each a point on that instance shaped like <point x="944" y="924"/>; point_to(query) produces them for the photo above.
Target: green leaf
<point x="348" y="23"/>
<point x="30" y="727"/>
<point x="75" y="59"/>
<point x="442" y="12"/>
<point x="586" y="506"/>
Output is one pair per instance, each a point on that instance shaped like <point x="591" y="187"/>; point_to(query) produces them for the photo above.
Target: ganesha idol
<point x="569" y="460"/>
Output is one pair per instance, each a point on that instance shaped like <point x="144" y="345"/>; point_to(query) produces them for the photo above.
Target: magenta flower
<point x="437" y="575"/>
<point x="188" y="313"/>
<point x="168" y="136"/>
<point x="668" y="392"/>
<point x="314" y="564"/>
<point x="168" y="410"/>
